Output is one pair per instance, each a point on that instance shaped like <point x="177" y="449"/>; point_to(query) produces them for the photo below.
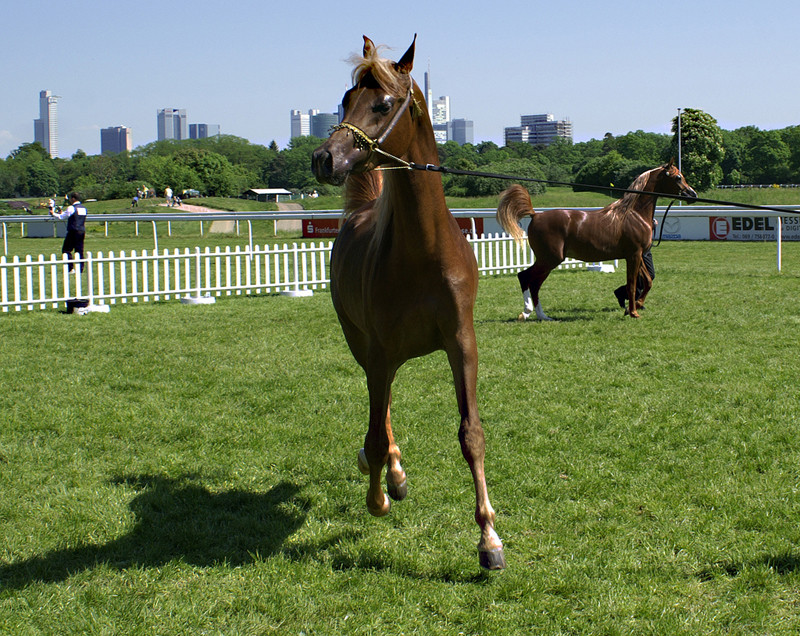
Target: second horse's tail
<point x="515" y="203"/>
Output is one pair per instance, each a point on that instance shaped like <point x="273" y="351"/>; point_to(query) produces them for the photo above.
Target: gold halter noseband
<point x="363" y="141"/>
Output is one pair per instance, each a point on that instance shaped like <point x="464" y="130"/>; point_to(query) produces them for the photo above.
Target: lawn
<point x="178" y="469"/>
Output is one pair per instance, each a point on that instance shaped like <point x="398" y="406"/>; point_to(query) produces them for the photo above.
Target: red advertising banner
<point x="329" y="228"/>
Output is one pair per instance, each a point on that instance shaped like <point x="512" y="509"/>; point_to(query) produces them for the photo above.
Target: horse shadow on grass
<point x="781" y="564"/>
<point x="176" y="519"/>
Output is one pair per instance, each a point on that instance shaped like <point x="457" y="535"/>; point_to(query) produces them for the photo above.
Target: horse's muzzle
<point x="322" y="165"/>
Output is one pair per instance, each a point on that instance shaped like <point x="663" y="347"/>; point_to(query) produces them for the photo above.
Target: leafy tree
<point x="9" y="180"/>
<point x="601" y="171"/>
<point x="163" y="171"/>
<point x="42" y="179"/>
<point x="484" y="186"/>
<point x="292" y="167"/>
<point x="766" y="158"/>
<point x="791" y="137"/>
<point x="702" y="148"/>
<point x="650" y="149"/>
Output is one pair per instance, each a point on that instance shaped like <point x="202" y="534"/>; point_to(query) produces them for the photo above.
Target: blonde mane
<point x="621" y="207"/>
<point x="382" y="70"/>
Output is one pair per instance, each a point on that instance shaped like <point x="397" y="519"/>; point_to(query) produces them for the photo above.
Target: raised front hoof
<point x="522" y="317"/>
<point x="363" y="464"/>
<point x="492" y="559"/>
<point x="399" y="491"/>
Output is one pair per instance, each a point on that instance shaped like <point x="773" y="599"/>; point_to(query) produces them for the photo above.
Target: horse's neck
<point x="643" y="204"/>
<point x="413" y="200"/>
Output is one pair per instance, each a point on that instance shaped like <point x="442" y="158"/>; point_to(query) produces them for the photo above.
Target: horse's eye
<point x="383" y="108"/>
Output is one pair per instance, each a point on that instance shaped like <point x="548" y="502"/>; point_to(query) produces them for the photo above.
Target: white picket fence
<point x="163" y="275"/>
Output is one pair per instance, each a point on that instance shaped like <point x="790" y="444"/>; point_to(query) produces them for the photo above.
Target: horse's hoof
<point x="381" y="510"/>
<point x="399" y="491"/>
<point x="492" y="559"/>
<point x="363" y="464"/>
<point x="522" y="318"/>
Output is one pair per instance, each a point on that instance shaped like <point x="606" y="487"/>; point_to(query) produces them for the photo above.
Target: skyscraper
<point x="438" y="111"/>
<point x="321" y="124"/>
<point x="45" y="129"/>
<point x="172" y="124"/>
<point x="115" y="139"/>
<point x="202" y="131"/>
<point x="461" y="131"/>
<point x="301" y="124"/>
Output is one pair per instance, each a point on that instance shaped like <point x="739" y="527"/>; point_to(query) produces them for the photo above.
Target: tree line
<point x="226" y="165"/>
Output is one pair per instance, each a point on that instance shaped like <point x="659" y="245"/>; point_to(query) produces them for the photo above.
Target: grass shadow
<point x="782" y="564"/>
<point x="178" y="520"/>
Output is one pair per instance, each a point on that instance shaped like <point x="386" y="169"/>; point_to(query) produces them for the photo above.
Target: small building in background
<point x="266" y="194"/>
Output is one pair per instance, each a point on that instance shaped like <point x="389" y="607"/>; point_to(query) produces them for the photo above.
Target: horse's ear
<point x="369" y="46"/>
<point x="406" y="62"/>
<point x="671" y="163"/>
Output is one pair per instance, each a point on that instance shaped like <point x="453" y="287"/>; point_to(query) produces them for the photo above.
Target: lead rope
<point x="663" y="222"/>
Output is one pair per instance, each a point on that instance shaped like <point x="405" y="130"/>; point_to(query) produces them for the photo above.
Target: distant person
<point x="135" y="201"/>
<point x="75" y="214"/>
<point x="168" y="195"/>
<point x="51" y="206"/>
<point x="176" y="201"/>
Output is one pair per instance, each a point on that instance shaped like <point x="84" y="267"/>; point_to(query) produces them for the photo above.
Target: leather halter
<point x="363" y="141"/>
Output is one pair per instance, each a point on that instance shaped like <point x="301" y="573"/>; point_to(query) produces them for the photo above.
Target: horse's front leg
<point x="463" y="357"/>
<point x="379" y="446"/>
<point x="632" y="266"/>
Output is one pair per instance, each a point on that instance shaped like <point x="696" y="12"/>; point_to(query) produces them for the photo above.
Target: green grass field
<point x="174" y="469"/>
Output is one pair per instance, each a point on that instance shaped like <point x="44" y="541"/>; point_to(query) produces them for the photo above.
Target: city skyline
<point x="614" y="67"/>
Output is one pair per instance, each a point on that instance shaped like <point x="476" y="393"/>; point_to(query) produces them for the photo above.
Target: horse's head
<point x="671" y="181"/>
<point x="378" y="117"/>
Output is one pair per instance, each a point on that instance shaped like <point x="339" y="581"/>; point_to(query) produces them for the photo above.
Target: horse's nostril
<point x="322" y="163"/>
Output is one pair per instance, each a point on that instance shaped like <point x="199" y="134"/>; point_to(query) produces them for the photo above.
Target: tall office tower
<point x="115" y="139"/>
<point x="172" y="124"/>
<point x="321" y="124"/>
<point x="461" y="131"/>
<point x="440" y="118"/>
<point x="438" y="111"/>
<point x="301" y="124"/>
<point x="45" y="129"/>
<point x="202" y="131"/>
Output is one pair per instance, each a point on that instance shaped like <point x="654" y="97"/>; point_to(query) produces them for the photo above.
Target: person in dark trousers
<point x="75" y="214"/>
<point x="621" y="292"/>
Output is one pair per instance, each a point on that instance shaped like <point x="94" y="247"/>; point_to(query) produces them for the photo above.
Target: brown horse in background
<point x="622" y="229"/>
<point x="403" y="278"/>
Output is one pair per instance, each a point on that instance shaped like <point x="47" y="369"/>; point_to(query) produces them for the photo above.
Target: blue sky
<point x="613" y="66"/>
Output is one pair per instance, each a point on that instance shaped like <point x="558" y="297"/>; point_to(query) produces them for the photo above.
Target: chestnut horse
<point x="403" y="277"/>
<point x="622" y="229"/>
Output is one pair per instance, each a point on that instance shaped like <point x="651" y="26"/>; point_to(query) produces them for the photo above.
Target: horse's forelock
<point x="382" y="70"/>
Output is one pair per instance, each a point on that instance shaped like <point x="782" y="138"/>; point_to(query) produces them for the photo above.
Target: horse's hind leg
<point x="463" y="357"/>
<point x="539" y="273"/>
<point x="531" y="280"/>
<point x="524" y="278"/>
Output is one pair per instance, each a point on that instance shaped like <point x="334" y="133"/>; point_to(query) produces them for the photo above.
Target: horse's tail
<point x="360" y="189"/>
<point x="515" y="203"/>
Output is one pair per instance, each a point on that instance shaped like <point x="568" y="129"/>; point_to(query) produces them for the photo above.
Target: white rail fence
<point x="155" y="275"/>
